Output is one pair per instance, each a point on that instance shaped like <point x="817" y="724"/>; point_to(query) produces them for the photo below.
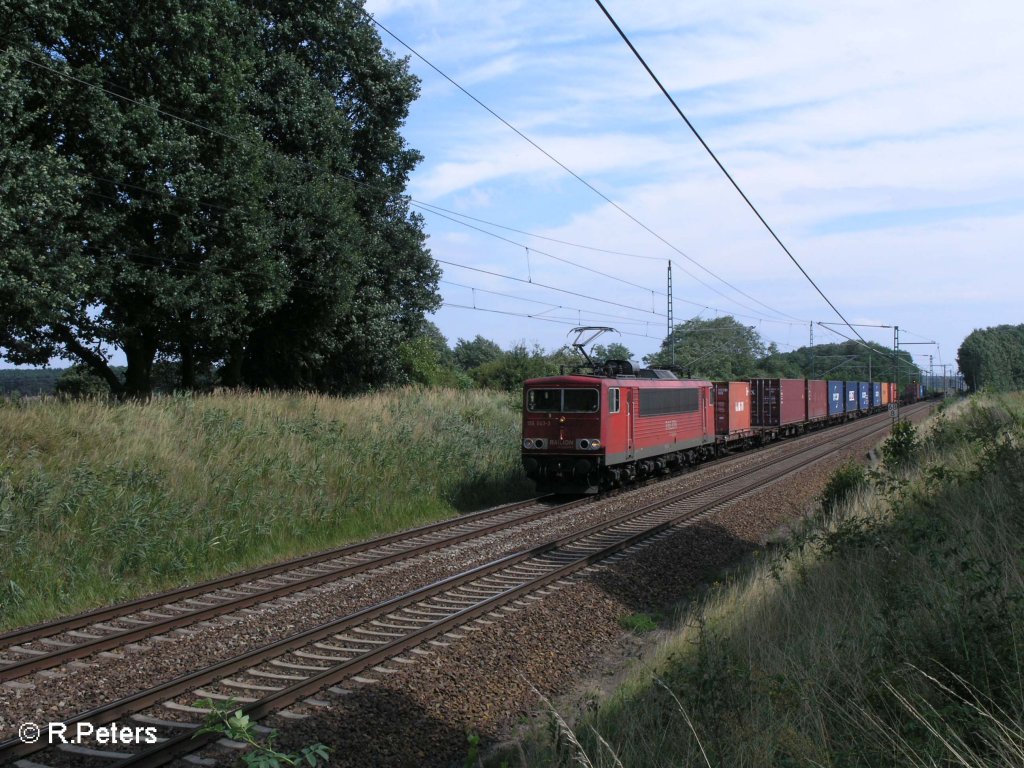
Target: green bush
<point x="842" y="484"/>
<point x="899" y="448"/>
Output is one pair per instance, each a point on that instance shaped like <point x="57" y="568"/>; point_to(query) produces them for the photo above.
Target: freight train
<point x="587" y="432"/>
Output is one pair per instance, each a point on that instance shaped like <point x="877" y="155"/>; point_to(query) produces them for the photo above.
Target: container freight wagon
<point x="732" y="407"/>
<point x="876" y="394"/>
<point x="850" y="397"/>
<point x="817" y="400"/>
<point x="835" y="398"/>
<point x="777" y="402"/>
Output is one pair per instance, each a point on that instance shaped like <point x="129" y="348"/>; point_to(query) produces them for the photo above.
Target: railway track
<point x="88" y="633"/>
<point x="51" y="644"/>
<point x="276" y="676"/>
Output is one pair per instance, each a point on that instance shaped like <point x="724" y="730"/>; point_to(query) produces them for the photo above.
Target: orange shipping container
<point x="817" y="399"/>
<point x="732" y="407"/>
<point x="885" y="393"/>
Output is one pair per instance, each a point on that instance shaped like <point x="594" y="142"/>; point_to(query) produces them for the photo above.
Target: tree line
<point x="215" y="188"/>
<point x="721" y="349"/>
<point x="993" y="358"/>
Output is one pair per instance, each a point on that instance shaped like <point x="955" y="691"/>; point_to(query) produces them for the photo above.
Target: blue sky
<point x="881" y="141"/>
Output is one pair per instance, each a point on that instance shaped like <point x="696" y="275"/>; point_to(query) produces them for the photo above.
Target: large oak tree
<point x="213" y="183"/>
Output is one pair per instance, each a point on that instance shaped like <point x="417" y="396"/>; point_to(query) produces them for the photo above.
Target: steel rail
<point x="112" y="640"/>
<point x="188" y="615"/>
<point x="184" y="743"/>
<point x="108" y="713"/>
<point x="76" y="621"/>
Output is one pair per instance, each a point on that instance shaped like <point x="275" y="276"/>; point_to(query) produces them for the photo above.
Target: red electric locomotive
<point x="584" y="432"/>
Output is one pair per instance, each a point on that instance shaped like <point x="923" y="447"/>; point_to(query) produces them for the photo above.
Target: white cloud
<point x="881" y="140"/>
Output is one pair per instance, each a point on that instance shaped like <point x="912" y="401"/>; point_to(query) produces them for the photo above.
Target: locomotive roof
<point x="579" y="379"/>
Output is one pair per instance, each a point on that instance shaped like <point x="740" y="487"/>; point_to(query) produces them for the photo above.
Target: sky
<point x="881" y="141"/>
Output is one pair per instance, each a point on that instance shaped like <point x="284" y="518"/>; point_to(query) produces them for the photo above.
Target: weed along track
<point x="316" y="668"/>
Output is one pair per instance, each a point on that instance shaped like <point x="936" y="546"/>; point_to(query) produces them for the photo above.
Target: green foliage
<point x="469" y="355"/>
<point x="900" y="447"/>
<point x="993" y="359"/>
<point x="613" y="351"/>
<point x="29" y="381"/>
<point x="227" y="239"/>
<point x="725" y="349"/>
<point x="102" y="501"/>
<point x="427" y="360"/>
<point x="473" y="753"/>
<point x="722" y="348"/>
<point x="512" y="368"/>
<point x="262" y="753"/>
<point x="842" y="484"/>
<point x="640" y="623"/>
<point x="847" y="361"/>
<point x="79" y="381"/>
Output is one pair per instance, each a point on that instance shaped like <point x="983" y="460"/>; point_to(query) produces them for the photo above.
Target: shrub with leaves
<point x="843" y="483"/>
<point x="237" y="726"/>
<point x="900" y="447"/>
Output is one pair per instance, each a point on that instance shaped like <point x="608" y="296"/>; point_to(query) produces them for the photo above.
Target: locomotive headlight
<point x="527" y="443"/>
<point x="586" y="444"/>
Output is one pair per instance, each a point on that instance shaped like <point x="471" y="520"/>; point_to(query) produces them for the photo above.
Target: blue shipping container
<point x="865" y="395"/>
<point x="835" y="397"/>
<point x="876" y="394"/>
<point x="850" y="397"/>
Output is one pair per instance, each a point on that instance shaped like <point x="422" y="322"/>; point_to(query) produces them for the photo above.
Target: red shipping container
<point x="777" y="402"/>
<point x="732" y="407"/>
<point x="817" y="399"/>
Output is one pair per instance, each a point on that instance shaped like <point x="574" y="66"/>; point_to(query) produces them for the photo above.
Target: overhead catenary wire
<point x="621" y="280"/>
<point x="523" y="315"/>
<point x="548" y="287"/>
<point x="714" y="157"/>
<point x="433" y="209"/>
<point x="552" y="256"/>
<point x="583" y="181"/>
<point x="175" y="195"/>
<point x="157" y="109"/>
<point x="620" y="318"/>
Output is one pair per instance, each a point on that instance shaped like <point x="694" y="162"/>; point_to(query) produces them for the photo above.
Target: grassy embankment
<point x="103" y="502"/>
<point x="888" y="633"/>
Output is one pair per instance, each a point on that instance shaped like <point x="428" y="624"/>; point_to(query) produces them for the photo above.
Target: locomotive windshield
<point x="562" y="400"/>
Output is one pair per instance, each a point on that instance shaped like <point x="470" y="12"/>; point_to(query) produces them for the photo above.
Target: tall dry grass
<point x="888" y="632"/>
<point x="100" y="502"/>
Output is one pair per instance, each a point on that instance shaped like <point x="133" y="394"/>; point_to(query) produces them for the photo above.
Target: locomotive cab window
<point x="563" y="400"/>
<point x="544" y="400"/>
<point x="613" y="400"/>
<point x="580" y="401"/>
